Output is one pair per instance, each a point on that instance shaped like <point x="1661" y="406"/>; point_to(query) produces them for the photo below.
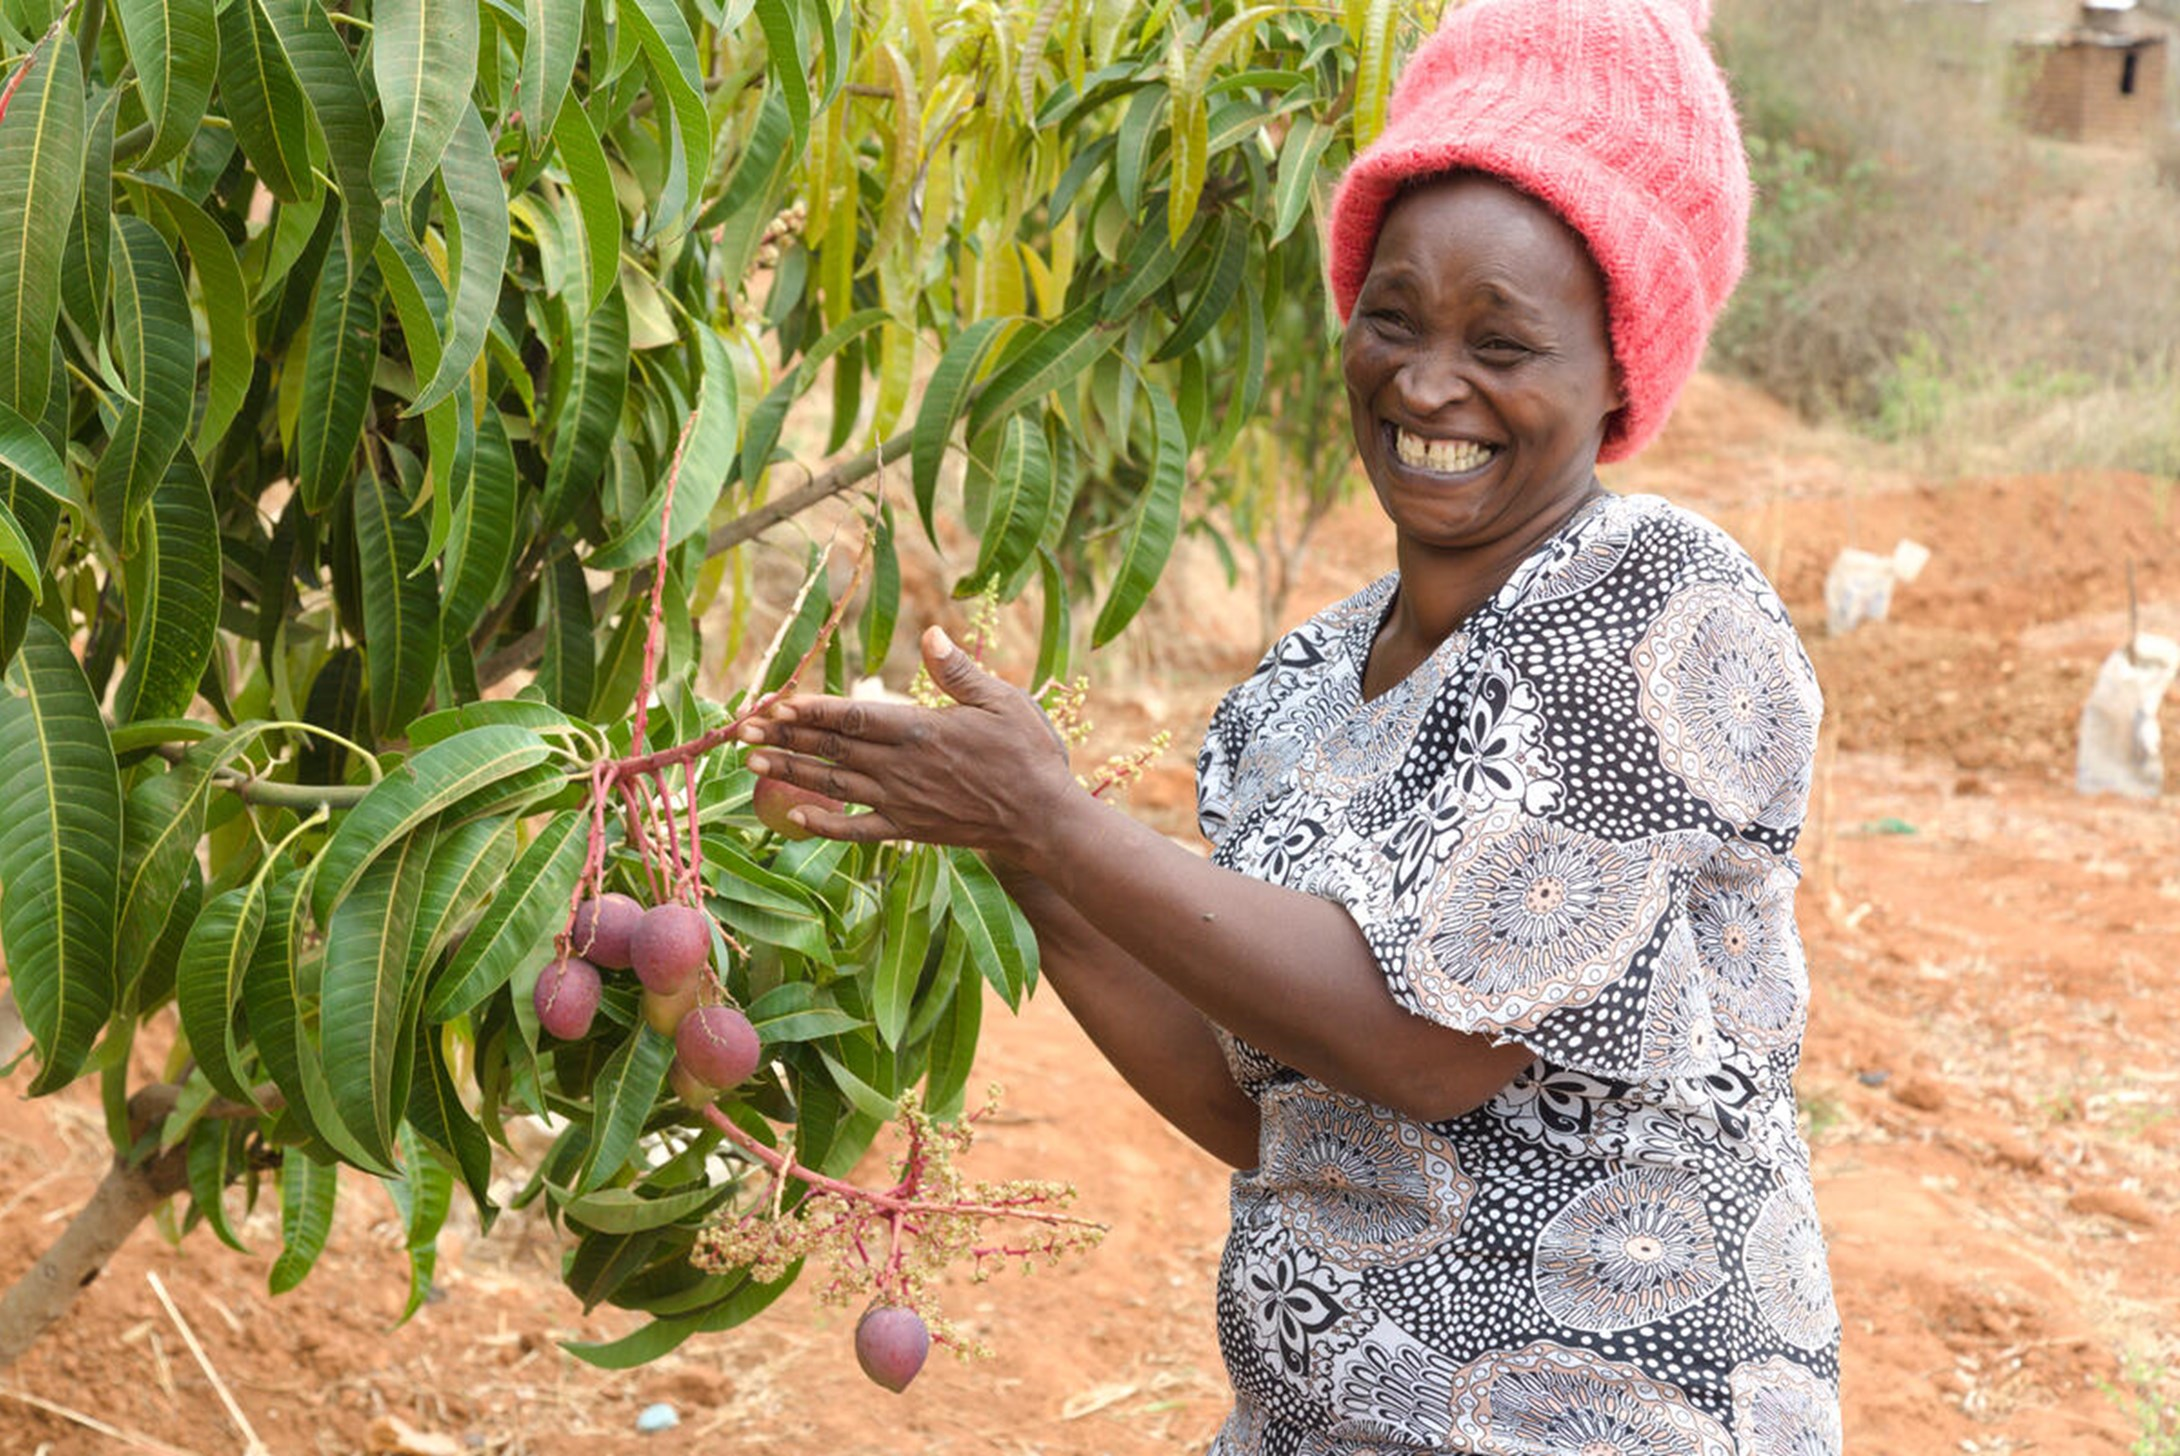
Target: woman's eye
<point x="1502" y="348"/>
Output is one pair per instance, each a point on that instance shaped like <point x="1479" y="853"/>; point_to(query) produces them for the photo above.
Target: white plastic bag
<point x="1858" y="588"/>
<point x="2119" y="751"/>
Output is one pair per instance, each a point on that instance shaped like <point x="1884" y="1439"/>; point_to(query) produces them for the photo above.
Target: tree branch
<point x="850" y="472"/>
<point x="272" y="793"/>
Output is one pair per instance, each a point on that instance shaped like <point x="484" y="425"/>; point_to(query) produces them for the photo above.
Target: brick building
<point x="2100" y="80"/>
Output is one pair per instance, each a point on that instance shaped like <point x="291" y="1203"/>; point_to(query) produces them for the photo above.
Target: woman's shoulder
<point x="1630" y="561"/>
<point x="1329" y="636"/>
<point x="1685" y="547"/>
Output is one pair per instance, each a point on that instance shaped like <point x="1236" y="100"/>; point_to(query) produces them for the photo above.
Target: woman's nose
<point x="1433" y="379"/>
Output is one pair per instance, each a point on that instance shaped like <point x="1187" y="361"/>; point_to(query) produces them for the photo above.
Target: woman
<point x="1491" y="985"/>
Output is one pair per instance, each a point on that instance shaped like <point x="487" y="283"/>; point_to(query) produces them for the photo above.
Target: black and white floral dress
<point x="1572" y="828"/>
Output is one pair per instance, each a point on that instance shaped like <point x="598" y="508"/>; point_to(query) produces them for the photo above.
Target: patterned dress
<point x="1570" y="828"/>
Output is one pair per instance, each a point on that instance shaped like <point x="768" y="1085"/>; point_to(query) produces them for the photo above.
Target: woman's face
<point x="1479" y="368"/>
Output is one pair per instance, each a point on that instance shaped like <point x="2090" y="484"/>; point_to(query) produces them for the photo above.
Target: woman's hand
<point x="985" y="774"/>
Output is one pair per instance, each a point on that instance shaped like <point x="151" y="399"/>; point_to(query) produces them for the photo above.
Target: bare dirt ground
<point x="1989" y="1083"/>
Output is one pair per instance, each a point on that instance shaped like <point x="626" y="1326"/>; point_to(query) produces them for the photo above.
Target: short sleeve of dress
<point x="1605" y="761"/>
<point x="1219" y="759"/>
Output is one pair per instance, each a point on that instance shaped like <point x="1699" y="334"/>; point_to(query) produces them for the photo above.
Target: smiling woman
<point x="1490" y="986"/>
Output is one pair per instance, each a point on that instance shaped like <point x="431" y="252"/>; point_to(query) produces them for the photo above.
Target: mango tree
<point x="389" y="392"/>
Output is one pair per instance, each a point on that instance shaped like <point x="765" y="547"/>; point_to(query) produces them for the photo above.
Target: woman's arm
<point x="1286" y="971"/>
<point x="1160" y="1045"/>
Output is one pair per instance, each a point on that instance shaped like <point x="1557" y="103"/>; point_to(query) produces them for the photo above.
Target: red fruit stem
<point x="594" y="852"/>
<point x="8" y="95"/>
<point x="696" y="836"/>
<point x="641" y="838"/>
<point x="684" y="874"/>
<point x="696" y="748"/>
<point x="30" y="57"/>
<point x="899" y="1200"/>
<point x="655" y="635"/>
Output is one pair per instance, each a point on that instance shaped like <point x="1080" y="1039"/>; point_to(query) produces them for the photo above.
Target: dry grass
<point x="1923" y="269"/>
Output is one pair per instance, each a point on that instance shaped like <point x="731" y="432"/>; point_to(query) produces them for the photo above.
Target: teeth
<point x="1448" y="457"/>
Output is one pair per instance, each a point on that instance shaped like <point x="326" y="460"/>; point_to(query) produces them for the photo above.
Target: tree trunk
<point x="51" y="1285"/>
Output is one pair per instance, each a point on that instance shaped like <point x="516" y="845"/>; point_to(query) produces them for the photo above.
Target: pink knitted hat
<point x="1613" y="113"/>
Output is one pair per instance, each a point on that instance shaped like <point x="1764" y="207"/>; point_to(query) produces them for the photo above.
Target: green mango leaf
<point x="422" y="1195"/>
<point x="309" y="1190"/>
<point x="1051" y="359"/>
<point x="264" y="102"/>
<point x="1298" y="159"/>
<point x="944" y="398"/>
<point x="340" y="354"/>
<point x="175" y="46"/>
<point x="1132" y="155"/>
<point x="1000" y="944"/>
<point x="552" y="36"/>
<point x="41" y="171"/>
<point x="677" y="70"/>
<point x="436" y="1111"/>
<point x="271" y="996"/>
<point x="597" y="208"/>
<point x="519" y="924"/>
<point x="1152" y="525"/>
<point x="522" y="712"/>
<point x="364" y="990"/>
<point x="481" y="534"/>
<point x="882" y="609"/>
<point x="19" y="554"/>
<point x="400" y="603"/>
<point x="705" y="463"/>
<point x="426" y="783"/>
<point x="84" y="257"/>
<point x="226" y="298"/>
<point x="32" y="457"/>
<point x="60" y="853"/>
<point x="622" y="1099"/>
<point x="628" y="1210"/>
<point x="424" y="59"/>
<point x="663" y="1336"/>
<point x="1056" y="634"/>
<point x="327" y="75"/>
<point x="209" y="980"/>
<point x="590" y="381"/>
<point x="568" y="670"/>
<point x="1230" y="256"/>
<point x="477" y="201"/>
<point x="786" y="65"/>
<point x="173" y="581"/>
<point x="954" y="1038"/>
<point x="162" y="823"/>
<point x="1149" y="264"/>
<point x="211" y="1160"/>
<point x="467" y="864"/>
<point x="861" y="1095"/>
<point x="155" y="344"/>
<point x="1017" y="506"/>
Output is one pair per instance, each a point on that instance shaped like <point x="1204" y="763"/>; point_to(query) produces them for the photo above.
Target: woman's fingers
<point x="797" y="721"/>
<point x="854" y="828"/>
<point x="815" y="773"/>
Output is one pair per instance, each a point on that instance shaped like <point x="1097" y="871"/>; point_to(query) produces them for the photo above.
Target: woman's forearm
<point x="1160" y="1044"/>
<point x="1286" y="971"/>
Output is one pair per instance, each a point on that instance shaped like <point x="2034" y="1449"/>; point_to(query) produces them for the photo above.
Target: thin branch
<point x="851" y="472"/>
<point x="252" y="1446"/>
<point x="274" y="794"/>
<point x="93" y="1423"/>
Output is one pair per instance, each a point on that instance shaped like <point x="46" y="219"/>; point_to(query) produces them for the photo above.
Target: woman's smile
<point x="1448" y="457"/>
